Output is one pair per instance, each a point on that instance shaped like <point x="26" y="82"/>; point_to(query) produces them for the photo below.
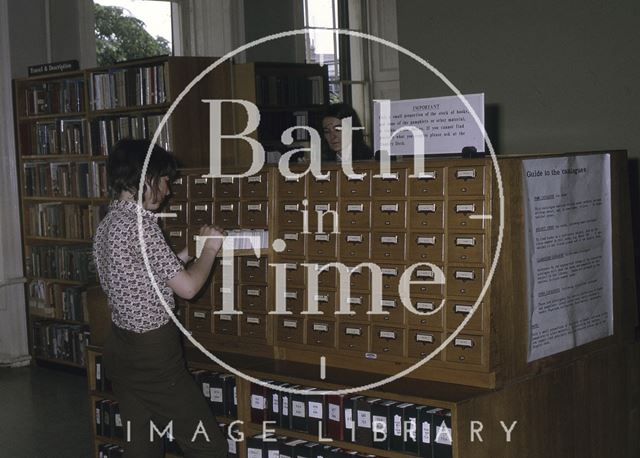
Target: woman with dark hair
<point x="143" y="356"/>
<point x="332" y="146"/>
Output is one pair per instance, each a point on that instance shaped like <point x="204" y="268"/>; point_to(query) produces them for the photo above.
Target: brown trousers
<point x="154" y="389"/>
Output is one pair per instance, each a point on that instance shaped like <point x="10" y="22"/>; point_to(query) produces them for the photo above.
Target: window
<point x="132" y="29"/>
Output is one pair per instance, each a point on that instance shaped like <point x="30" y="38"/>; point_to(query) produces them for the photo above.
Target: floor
<point x="44" y="413"/>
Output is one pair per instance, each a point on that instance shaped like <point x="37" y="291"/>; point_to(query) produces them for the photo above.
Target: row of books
<point x="273" y="124"/>
<point x="272" y="446"/>
<point x="66" y="342"/>
<point x="66" y="96"/>
<point x="71" y="262"/>
<point x="220" y="391"/>
<point x="274" y="90"/>
<point x="64" y="136"/>
<point x="56" y="219"/>
<point x="107" y="131"/>
<point x="65" y="179"/>
<point x="53" y="300"/>
<point x="372" y="422"/>
<point x="127" y="87"/>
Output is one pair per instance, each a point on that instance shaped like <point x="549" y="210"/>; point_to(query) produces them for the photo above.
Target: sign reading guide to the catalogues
<point x="567" y="204"/>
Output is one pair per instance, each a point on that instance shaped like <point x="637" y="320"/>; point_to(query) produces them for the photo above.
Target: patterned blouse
<point x="135" y="305"/>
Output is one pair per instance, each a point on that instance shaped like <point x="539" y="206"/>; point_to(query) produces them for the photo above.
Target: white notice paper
<point x="446" y="124"/>
<point x="567" y="202"/>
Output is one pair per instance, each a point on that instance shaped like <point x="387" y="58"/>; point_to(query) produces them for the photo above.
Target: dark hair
<point x="359" y="149"/>
<point x="125" y="162"/>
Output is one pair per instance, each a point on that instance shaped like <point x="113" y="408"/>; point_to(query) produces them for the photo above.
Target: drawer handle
<point x="390" y="240"/>
<point x="200" y="181"/>
<point x="177" y="181"/>
<point x="291" y="295"/>
<point x="465" y="174"/>
<point x="389" y="272"/>
<point x="320" y="327"/>
<point x="175" y="234"/>
<point x="355" y="208"/>
<point x="199" y="314"/>
<point x="291" y="179"/>
<point x="226" y="180"/>
<point x="253" y="320"/>
<point x="463" y="343"/>
<point x="429" y="306"/>
<point x="253" y="292"/>
<point x="355" y="238"/>
<point x="354" y="300"/>
<point x="428" y="175"/>
<point x="390" y="208"/>
<point x="425" y="274"/>
<point x="353" y="331"/>
<point x="290" y="236"/>
<point x="426" y="208"/>
<point x="225" y="318"/>
<point x="290" y="324"/>
<point x="391" y="303"/>
<point x="201" y="208"/>
<point x="463" y="309"/>
<point x="387" y="335"/>
<point x="426" y="240"/>
<point x="254" y="179"/>
<point x="465" y="208"/>
<point x="428" y="338"/>
<point x="254" y="207"/>
<point x="291" y="207"/>
<point x="175" y="208"/>
<point x="322" y="237"/>
<point x="465" y="241"/>
<point x="465" y="275"/>
<point x="322" y="207"/>
<point x="226" y="208"/>
<point x="252" y="263"/>
<point x="393" y="176"/>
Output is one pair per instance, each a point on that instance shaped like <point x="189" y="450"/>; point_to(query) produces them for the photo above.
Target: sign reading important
<point x="443" y="125"/>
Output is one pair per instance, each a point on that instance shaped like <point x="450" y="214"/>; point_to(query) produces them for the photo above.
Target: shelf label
<point x="465" y="208"/>
<point x="353" y="331"/>
<point x="355" y="207"/>
<point x="427" y="338"/>
<point x="426" y="240"/>
<point x="465" y="174"/>
<point x="465" y="241"/>
<point x="465" y="275"/>
<point x="426" y="208"/>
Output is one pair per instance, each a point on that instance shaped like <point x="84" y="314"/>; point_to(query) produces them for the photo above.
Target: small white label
<point x="364" y="419"/>
<point x="254" y="452"/>
<point x="257" y="401"/>
<point x="334" y="412"/>
<point x="392" y="272"/>
<point x="388" y="303"/>
<point x="290" y="324"/>
<point x="355" y="207"/>
<point x="216" y="394"/>
<point x="426" y="208"/>
<point x="315" y="410"/>
<point x="291" y="266"/>
<point x="467" y="343"/>
<point x="428" y="338"/>
<point x="387" y="335"/>
<point x="225" y="318"/>
<point x="380" y="424"/>
<point x="465" y="208"/>
<point x="321" y="298"/>
<point x="353" y="331"/>
<point x="233" y="447"/>
<point x="285" y="404"/>
<point x="426" y="240"/>
<point x="255" y="179"/>
<point x="462" y="174"/>
<point x="289" y="179"/>
<point x="253" y="292"/>
<point x="354" y="300"/>
<point x="425" y="306"/>
<point x="175" y="234"/>
<point x="348" y="418"/>
<point x="253" y="320"/>
<point x="397" y="425"/>
<point x="177" y="181"/>
<point x="389" y="239"/>
<point x="459" y="308"/>
<point x="465" y="241"/>
<point x="275" y="403"/>
<point x="253" y="263"/>
<point x="206" y="390"/>
<point x="297" y="409"/>
<point x="428" y="175"/>
<point x="199" y="315"/>
<point x="322" y="207"/>
<point x="98" y="371"/>
<point x="425" y="274"/>
<point x="200" y="181"/>
<point x="443" y="434"/>
<point x="291" y="295"/>
<point x="389" y="207"/>
<point x="465" y="275"/>
<point x="356" y="177"/>
<point x="319" y="178"/>
<point x="354" y="238"/>
<point x="226" y="208"/>
<point x="98" y="419"/>
<point x="291" y="207"/>
<point x="321" y="237"/>
<point x="201" y="208"/>
<point x="320" y="327"/>
<point x="254" y="207"/>
<point x="118" y="420"/>
<point x="226" y="180"/>
<point x="290" y="236"/>
<point x="175" y="208"/>
<point x="426" y="433"/>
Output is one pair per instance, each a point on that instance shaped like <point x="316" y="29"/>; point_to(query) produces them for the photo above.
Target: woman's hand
<point x="215" y="243"/>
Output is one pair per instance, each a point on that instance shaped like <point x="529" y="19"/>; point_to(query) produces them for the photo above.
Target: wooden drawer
<point x="254" y="214"/>
<point x="199" y="319"/>
<point x="325" y="186"/>
<point x="466" y="214"/>
<point x="355" y="245"/>
<point x="355" y="214"/>
<point x="466" y="349"/>
<point x="393" y="184"/>
<point x="391" y="274"/>
<point x="253" y="298"/>
<point x="200" y="213"/>
<point x="290" y="330"/>
<point x="226" y="325"/>
<point x="326" y="277"/>
<point x="355" y="186"/>
<point x="360" y="278"/>
<point x="290" y="215"/>
<point x="465" y="281"/>
<point x="221" y="267"/>
<point x="255" y="186"/>
<point x="296" y="273"/>
<point x="221" y="293"/>
<point x="295" y="244"/>
<point x="177" y="237"/>
<point x="421" y="343"/>
<point x="254" y="326"/>
<point x="425" y="247"/>
<point x="253" y="270"/>
<point x="353" y="337"/>
<point x="395" y="309"/>
<point x="326" y="303"/>
<point x="203" y="298"/>
<point x="389" y="214"/>
<point x="387" y="341"/>
<point x="323" y="246"/>
<point x="227" y="188"/>
<point x="426" y="305"/>
<point x="359" y="304"/>
<point x="181" y="211"/>
<point x="327" y="213"/>
<point x="226" y="214"/>
<point x="179" y="189"/>
<point x="290" y="187"/>
<point x="388" y="246"/>
<point x="467" y="248"/>
<point x="467" y="180"/>
<point x="427" y="183"/>
<point x="428" y="278"/>
<point x="457" y="311"/>
<point x="200" y="187"/>
<point x="321" y="333"/>
<point x="426" y="214"/>
<point x="294" y="299"/>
